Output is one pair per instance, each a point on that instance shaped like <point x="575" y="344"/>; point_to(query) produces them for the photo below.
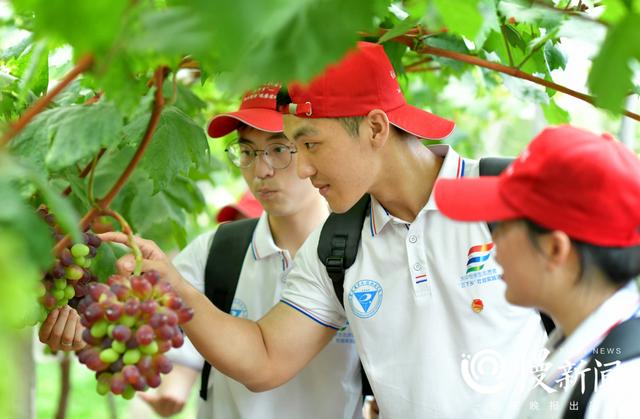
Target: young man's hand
<point x="153" y="257"/>
<point x="62" y="330"/>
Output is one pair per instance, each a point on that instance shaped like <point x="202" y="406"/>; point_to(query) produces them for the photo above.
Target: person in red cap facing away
<point x="567" y="235"/>
<point x="247" y="207"/>
<point x="423" y="298"/>
<point x="330" y="386"/>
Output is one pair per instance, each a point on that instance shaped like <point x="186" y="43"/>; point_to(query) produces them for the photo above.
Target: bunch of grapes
<point x="130" y="323"/>
<point x="70" y="275"/>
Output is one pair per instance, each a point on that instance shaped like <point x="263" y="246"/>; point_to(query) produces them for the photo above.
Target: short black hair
<point x="282" y="98"/>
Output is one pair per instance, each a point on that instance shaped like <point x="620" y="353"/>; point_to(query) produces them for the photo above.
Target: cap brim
<point x="420" y="123"/>
<point x="261" y="119"/>
<point x="473" y="199"/>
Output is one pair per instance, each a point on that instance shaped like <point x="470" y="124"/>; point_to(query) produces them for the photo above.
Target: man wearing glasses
<point x="329" y="387"/>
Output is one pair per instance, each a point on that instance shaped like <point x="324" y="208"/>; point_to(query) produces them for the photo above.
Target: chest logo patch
<point x="477" y="256"/>
<point x="239" y="309"/>
<point x="479" y="271"/>
<point x="365" y="298"/>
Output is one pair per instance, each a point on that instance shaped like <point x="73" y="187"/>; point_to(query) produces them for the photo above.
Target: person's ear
<point x="557" y="249"/>
<point x="378" y="127"/>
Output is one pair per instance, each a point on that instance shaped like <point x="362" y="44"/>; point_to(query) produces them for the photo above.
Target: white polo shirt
<point x="616" y="395"/>
<point x="409" y="299"/>
<point x="329" y="387"/>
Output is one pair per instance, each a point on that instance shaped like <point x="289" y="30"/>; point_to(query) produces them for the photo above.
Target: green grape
<point x="42" y="290"/>
<point x="60" y="284"/>
<point x="110" y="330"/>
<point x="128" y="321"/>
<point x="149" y="349"/>
<point x="103" y="387"/>
<point x="73" y="273"/>
<point x="58" y="294"/>
<point x="132" y="356"/>
<point x="109" y="356"/>
<point x="128" y="393"/>
<point x="79" y="250"/>
<point x="80" y="261"/>
<point x="119" y="347"/>
<point x="69" y="292"/>
<point x="99" y="329"/>
<point x="61" y="303"/>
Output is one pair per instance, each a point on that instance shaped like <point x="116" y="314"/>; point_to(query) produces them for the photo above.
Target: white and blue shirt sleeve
<point x="191" y="263"/>
<point x="309" y="289"/>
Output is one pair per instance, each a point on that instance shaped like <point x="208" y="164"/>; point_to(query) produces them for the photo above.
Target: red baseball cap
<point x="258" y="110"/>
<point x="567" y="179"/>
<point x="248" y="207"/>
<point x="362" y="81"/>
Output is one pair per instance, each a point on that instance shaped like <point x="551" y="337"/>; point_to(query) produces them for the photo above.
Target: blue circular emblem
<point x="239" y="308"/>
<point x="365" y="298"/>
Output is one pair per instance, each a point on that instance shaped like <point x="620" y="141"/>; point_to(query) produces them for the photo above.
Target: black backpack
<point x="340" y="236"/>
<point x="221" y="275"/>
<point x="621" y="344"/>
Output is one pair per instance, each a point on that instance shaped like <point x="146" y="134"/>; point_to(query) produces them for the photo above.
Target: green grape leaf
<point x="184" y="193"/>
<point x="185" y="100"/>
<point x="452" y="43"/>
<point x="395" y="51"/>
<point x="524" y="11"/>
<point x="322" y="31"/>
<point x="173" y="31"/>
<point x="66" y="216"/>
<point x="104" y="263"/>
<point x="16" y="50"/>
<point x="399" y="29"/>
<point x="554" y="58"/>
<point x="514" y="38"/>
<point x="614" y="10"/>
<point x="78" y="132"/>
<point x="177" y="145"/>
<point x="19" y="217"/>
<point x="489" y="21"/>
<point x="33" y="68"/>
<point x="461" y="17"/>
<point x="31" y="144"/>
<point x="554" y="114"/>
<point x="610" y="76"/>
<point x="86" y="25"/>
<point x="140" y="198"/>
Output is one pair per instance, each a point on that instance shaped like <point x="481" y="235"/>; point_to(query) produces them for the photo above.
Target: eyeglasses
<point x="277" y="156"/>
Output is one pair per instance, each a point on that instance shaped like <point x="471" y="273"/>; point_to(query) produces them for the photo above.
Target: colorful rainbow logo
<point x="477" y="256"/>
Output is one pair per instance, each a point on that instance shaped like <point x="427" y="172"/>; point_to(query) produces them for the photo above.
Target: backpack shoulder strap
<point x="222" y="272"/>
<point x="493" y="166"/>
<point x="338" y="248"/>
<point x="624" y="337"/>
<point x="339" y="241"/>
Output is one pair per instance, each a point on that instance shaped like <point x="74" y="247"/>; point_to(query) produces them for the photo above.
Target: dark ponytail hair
<point x="619" y="264"/>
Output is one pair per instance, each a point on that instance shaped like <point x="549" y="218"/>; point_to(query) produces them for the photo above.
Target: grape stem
<point x="126" y="229"/>
<point x="92" y="172"/>
<point x="85" y="171"/>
